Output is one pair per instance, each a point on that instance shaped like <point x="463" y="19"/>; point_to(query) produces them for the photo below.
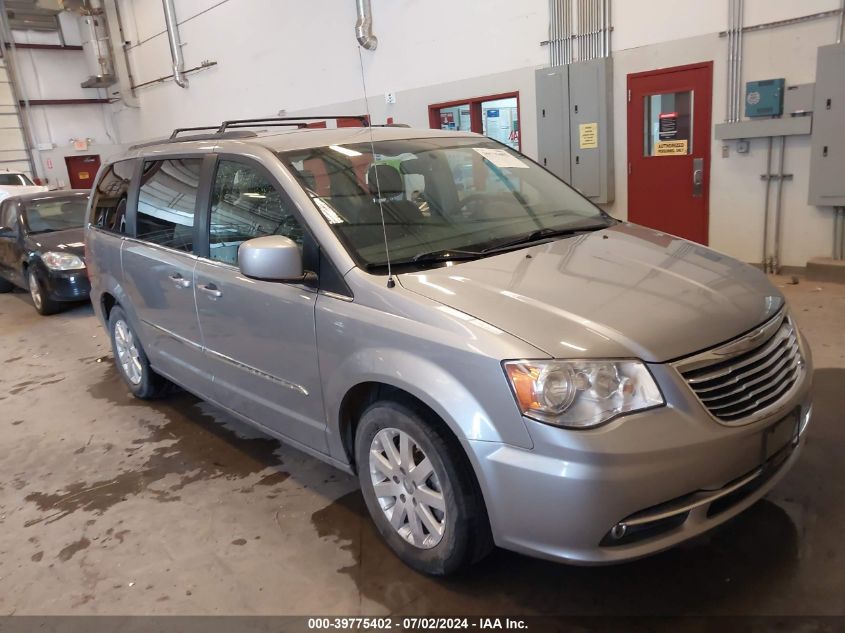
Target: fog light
<point x="618" y="531"/>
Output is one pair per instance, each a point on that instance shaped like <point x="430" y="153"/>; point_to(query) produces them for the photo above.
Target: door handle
<point x="179" y="281"/>
<point x="697" y="177"/>
<point x="212" y="291"/>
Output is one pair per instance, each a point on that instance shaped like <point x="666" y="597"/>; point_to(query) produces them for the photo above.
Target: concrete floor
<point x="113" y="506"/>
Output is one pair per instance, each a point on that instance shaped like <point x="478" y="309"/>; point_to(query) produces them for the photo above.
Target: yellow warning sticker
<point x="670" y="148"/>
<point x="588" y="135"/>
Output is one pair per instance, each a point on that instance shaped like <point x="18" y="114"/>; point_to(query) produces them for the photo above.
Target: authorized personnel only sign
<point x="670" y="148"/>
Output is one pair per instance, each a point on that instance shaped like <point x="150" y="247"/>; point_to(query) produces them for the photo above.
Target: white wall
<point x="302" y="57"/>
<point x="55" y="74"/>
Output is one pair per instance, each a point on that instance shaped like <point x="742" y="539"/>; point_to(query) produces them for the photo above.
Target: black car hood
<point x="67" y="241"/>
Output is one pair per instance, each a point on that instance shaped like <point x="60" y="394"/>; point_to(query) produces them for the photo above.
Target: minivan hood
<point x="620" y="292"/>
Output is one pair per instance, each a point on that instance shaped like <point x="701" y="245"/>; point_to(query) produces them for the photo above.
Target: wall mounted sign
<point x="588" y="135"/>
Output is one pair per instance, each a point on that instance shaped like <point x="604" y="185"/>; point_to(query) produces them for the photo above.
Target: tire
<point x="446" y="540"/>
<point x="6" y="286"/>
<point x="131" y="361"/>
<point x="42" y="302"/>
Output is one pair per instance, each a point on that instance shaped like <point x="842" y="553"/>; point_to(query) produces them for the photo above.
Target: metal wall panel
<point x="827" y="162"/>
<point x="552" y="88"/>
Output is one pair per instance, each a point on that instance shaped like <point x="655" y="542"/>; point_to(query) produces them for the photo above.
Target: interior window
<point x="167" y="201"/>
<point x="110" y="195"/>
<point x="245" y="205"/>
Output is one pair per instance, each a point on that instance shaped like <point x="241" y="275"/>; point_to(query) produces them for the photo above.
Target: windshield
<point x="55" y="215"/>
<point x="437" y="195"/>
<point x="15" y="180"/>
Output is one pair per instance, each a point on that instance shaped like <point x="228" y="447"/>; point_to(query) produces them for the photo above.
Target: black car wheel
<point x="40" y="299"/>
<point x="419" y="489"/>
<point x="6" y="286"/>
<point x="132" y="362"/>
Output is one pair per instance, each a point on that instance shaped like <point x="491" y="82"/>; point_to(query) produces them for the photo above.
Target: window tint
<point x="166" y="202"/>
<point x="15" y="180"/>
<point x="110" y="195"/>
<point x="9" y="215"/>
<point x="245" y="205"/>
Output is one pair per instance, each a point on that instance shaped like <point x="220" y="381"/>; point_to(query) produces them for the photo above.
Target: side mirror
<point x="5" y="231"/>
<point x="272" y="258"/>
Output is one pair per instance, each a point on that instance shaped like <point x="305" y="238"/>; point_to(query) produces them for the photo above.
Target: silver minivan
<point x="497" y="360"/>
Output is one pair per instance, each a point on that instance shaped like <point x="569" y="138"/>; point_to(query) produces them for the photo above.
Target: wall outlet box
<point x="764" y="98"/>
<point x="390" y="97"/>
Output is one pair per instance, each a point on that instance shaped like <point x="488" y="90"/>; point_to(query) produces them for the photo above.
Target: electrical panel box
<point x="827" y="143"/>
<point x="798" y="99"/>
<point x="574" y="129"/>
<point x="764" y="98"/>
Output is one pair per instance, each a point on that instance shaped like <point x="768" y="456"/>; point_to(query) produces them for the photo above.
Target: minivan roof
<point x="291" y="139"/>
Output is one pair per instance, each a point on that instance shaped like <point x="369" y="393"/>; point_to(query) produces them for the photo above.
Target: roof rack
<point x="234" y="134"/>
<point x="285" y="120"/>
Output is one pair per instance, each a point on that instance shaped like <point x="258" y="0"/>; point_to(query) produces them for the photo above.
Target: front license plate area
<point x="780" y="435"/>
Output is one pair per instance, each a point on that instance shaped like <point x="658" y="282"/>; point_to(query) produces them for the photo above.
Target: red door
<point x="669" y="114"/>
<point x="81" y="170"/>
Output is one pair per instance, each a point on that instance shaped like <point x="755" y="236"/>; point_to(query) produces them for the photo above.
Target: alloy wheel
<point x="35" y="291"/>
<point x="127" y="352"/>
<point x="407" y="488"/>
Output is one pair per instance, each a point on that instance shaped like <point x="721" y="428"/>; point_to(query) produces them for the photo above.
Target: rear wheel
<point x="419" y="489"/>
<point x="40" y="299"/>
<point x="132" y="362"/>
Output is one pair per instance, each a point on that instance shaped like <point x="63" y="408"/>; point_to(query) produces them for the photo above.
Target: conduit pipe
<point x="364" y="25"/>
<point x="175" y="44"/>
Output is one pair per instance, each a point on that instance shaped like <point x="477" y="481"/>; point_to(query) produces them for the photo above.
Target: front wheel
<point x="132" y="362"/>
<point x="40" y="298"/>
<point x="419" y="489"/>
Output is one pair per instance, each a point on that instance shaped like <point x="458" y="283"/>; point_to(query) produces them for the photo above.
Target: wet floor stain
<point x="68" y="551"/>
<point x="239" y="541"/>
<point x="779" y="556"/>
<point x="191" y="444"/>
<point x="36" y="557"/>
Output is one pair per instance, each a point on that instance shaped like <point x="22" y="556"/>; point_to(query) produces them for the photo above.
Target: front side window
<point x="9" y="215"/>
<point x="15" y="180"/>
<point x="45" y="216"/>
<point x="108" y="210"/>
<point x="167" y="202"/>
<point x="244" y="205"/>
<point x="437" y="195"/>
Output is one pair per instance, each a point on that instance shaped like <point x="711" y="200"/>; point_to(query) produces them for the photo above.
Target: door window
<point x="9" y="215"/>
<point x="668" y="124"/>
<point x="244" y="205"/>
<point x="496" y="117"/>
<point x="167" y="202"/>
<point x="110" y="195"/>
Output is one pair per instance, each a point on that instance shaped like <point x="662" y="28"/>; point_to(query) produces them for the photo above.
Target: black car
<point x="42" y="248"/>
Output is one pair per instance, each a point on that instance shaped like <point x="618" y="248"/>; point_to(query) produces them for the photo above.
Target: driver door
<point x="260" y="336"/>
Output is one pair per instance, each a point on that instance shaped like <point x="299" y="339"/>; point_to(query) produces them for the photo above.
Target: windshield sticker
<point x="500" y="158"/>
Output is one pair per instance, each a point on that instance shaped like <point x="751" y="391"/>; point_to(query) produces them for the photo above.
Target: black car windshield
<point x="15" y="180"/>
<point x="442" y="198"/>
<point x="43" y="216"/>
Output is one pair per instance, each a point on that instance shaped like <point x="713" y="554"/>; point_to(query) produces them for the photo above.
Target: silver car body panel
<point x="285" y="357"/>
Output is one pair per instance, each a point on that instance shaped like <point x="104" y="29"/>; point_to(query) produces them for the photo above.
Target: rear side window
<point x="167" y="202"/>
<point x="110" y="195"/>
<point x="244" y="205"/>
<point x="9" y="214"/>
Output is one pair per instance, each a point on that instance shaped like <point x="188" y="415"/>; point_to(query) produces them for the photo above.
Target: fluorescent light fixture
<point x="340" y="149"/>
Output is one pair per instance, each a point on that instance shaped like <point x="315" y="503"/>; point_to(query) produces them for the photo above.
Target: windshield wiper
<point x="541" y="234"/>
<point x="431" y="257"/>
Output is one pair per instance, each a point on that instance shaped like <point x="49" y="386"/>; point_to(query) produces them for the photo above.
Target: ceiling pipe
<point x="363" y="26"/>
<point x="175" y="44"/>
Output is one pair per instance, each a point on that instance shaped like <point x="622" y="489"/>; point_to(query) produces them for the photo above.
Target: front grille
<point x="749" y="383"/>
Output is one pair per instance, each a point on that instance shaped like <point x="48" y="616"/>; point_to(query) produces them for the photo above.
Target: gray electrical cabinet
<point x="827" y="161"/>
<point x="574" y="129"/>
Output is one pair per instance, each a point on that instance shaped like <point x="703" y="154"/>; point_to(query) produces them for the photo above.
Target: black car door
<point x="10" y="241"/>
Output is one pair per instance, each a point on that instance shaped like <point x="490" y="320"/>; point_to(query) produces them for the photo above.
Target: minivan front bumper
<point x="641" y="483"/>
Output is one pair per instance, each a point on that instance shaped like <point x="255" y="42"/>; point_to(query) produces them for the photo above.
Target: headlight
<point x="581" y="393"/>
<point x="62" y="261"/>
